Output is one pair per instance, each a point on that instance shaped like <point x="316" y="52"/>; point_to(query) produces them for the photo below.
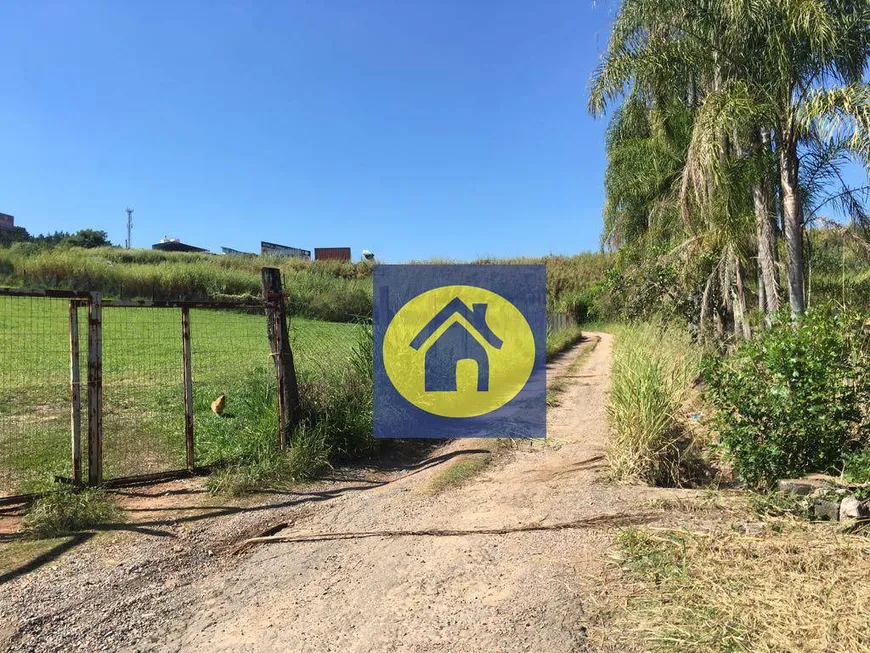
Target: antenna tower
<point x="129" y="228"/>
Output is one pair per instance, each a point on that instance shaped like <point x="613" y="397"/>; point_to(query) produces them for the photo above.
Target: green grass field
<point x="142" y="381"/>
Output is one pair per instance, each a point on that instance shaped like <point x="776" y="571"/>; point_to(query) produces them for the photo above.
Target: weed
<point x="781" y="504"/>
<point x="271" y="467"/>
<point x="67" y="510"/>
<point x="554" y="389"/>
<point x="335" y="425"/>
<point x="460" y="472"/>
<point x="656" y="558"/>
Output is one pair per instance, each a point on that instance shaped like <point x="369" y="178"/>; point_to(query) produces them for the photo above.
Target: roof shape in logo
<point x="476" y="317"/>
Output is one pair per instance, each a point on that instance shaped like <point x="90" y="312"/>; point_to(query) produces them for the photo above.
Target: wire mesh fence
<point x="34" y="391"/>
<point x="171" y="386"/>
<point x="140" y="359"/>
<point x="323" y="349"/>
<point x="143" y="391"/>
<point x="234" y="389"/>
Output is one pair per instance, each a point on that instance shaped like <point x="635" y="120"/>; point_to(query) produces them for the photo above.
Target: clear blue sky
<point x="416" y="129"/>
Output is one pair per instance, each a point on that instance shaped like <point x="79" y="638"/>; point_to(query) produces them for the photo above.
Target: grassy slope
<point x="327" y="290"/>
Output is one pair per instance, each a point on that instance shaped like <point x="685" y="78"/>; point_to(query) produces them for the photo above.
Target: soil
<point x="380" y="561"/>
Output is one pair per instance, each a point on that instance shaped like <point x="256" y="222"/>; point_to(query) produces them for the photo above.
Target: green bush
<point x="856" y="467"/>
<point x="794" y="399"/>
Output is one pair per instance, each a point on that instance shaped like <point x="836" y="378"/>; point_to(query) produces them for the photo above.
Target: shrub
<point x="793" y="400"/>
<point x="652" y="368"/>
<point x="67" y="510"/>
<point x="856" y="467"/>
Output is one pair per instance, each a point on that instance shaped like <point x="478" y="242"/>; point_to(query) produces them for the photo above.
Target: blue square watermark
<point x="460" y="351"/>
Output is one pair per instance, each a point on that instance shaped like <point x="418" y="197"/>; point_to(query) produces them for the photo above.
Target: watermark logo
<point x="460" y="351"/>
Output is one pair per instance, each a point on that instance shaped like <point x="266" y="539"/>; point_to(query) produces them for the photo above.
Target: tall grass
<point x="335" y="425"/>
<point x="652" y="370"/>
<point x="560" y="340"/>
<point x="326" y="290"/>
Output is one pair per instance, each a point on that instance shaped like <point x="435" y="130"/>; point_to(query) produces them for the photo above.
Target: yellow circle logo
<point x="459" y="351"/>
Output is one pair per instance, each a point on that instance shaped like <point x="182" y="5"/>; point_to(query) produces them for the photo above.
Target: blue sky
<point x="432" y="128"/>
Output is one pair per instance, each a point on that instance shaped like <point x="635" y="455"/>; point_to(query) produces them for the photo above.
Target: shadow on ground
<point x="410" y="457"/>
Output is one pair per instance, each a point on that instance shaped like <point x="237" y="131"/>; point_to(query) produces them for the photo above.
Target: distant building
<point x="332" y="253"/>
<point x="273" y="249"/>
<point x="7" y="222"/>
<point x="175" y="245"/>
<point x="229" y="251"/>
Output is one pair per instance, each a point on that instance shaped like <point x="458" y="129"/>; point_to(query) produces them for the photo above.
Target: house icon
<point x="456" y="343"/>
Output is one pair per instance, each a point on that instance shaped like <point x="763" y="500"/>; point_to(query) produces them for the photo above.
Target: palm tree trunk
<point x="741" y="324"/>
<point x="762" y="297"/>
<point x="792" y="219"/>
<point x="765" y="235"/>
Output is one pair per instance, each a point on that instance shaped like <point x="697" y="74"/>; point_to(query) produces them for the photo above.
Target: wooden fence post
<point x="279" y="343"/>
<point x="188" y="386"/>
<point x="95" y="390"/>
<point x="75" y="387"/>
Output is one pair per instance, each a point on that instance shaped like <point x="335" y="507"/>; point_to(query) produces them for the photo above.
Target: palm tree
<point x="761" y="75"/>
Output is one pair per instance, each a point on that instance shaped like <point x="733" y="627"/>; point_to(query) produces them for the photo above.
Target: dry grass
<point x="806" y="590"/>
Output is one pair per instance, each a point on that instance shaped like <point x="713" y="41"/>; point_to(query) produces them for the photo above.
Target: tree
<point x="764" y="78"/>
<point x="88" y="238"/>
<point x="14" y="235"/>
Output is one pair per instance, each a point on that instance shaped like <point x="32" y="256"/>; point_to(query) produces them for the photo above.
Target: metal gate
<point x="95" y="390"/>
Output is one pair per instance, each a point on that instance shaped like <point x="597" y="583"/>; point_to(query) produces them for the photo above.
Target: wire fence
<point x="143" y="391"/>
<point x="34" y="391"/>
<point x="103" y="390"/>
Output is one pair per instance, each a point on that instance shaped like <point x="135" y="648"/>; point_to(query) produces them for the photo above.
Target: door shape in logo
<point x="455" y="344"/>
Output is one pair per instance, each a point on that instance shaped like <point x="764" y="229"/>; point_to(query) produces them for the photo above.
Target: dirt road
<point x="170" y="584"/>
<point x="507" y="592"/>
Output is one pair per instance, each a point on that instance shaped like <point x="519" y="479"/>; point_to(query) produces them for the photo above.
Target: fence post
<point x="279" y="343"/>
<point x="95" y="390"/>
<point x="188" y="386"/>
<point x="75" y="392"/>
